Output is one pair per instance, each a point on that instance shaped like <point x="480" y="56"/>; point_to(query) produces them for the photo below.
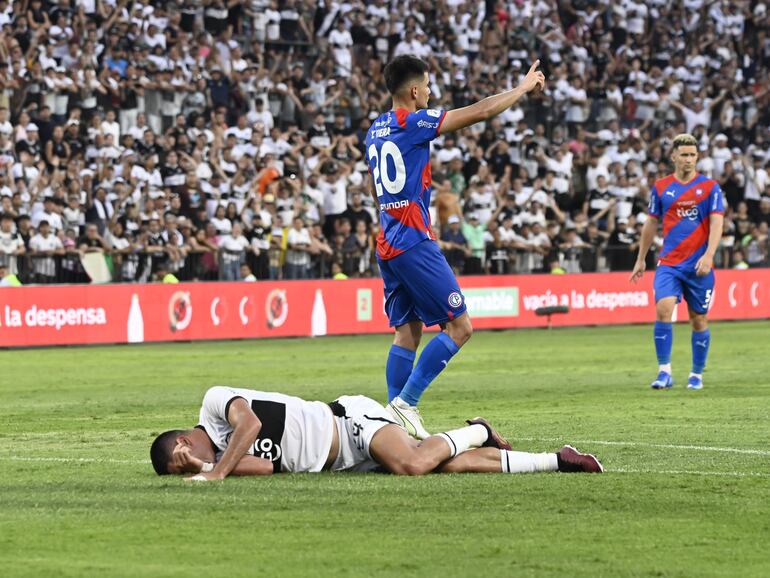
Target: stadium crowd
<point x="214" y="139"/>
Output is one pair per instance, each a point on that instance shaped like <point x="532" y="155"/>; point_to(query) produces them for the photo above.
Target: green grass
<point x="78" y="496"/>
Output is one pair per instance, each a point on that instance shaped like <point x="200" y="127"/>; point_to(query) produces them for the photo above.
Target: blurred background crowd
<point x="223" y="139"/>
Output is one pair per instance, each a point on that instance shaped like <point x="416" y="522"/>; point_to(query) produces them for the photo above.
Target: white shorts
<point x="358" y="418"/>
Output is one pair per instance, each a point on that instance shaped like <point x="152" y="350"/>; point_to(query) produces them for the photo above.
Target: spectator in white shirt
<point x="11" y="244"/>
<point x="699" y="114"/>
<point x="111" y="126"/>
<point x="220" y="221"/>
<point x="44" y="245"/>
<point x="261" y="116"/>
<point x="232" y="249"/>
<point x="49" y="215"/>
<point x="298" y="251"/>
<point x="341" y="41"/>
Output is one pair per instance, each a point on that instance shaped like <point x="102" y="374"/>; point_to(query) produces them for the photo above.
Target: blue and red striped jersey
<point x="398" y="155"/>
<point x="685" y="210"/>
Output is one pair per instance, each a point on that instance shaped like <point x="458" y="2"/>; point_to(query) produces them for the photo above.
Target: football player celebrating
<point x="420" y="287"/>
<point x="692" y="208"/>
<point x="244" y="432"/>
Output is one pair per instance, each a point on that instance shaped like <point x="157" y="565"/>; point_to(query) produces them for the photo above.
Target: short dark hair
<point x="161" y="450"/>
<point x="402" y="69"/>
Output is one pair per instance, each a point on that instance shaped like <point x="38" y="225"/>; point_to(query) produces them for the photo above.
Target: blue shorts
<point x="420" y="285"/>
<point x="674" y="282"/>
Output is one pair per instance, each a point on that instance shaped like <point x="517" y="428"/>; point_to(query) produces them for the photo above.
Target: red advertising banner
<point x="81" y="314"/>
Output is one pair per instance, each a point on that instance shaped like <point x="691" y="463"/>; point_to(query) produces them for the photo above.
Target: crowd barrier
<point x="133" y="313"/>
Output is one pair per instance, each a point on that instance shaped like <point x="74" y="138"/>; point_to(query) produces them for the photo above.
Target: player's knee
<point x="407" y="337"/>
<point x="664" y="312"/>
<point x="468" y="328"/>
<point x="460" y="330"/>
<point x="414" y="465"/>
<point x="418" y="467"/>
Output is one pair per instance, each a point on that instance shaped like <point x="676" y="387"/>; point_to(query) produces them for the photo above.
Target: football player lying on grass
<point x="243" y="432"/>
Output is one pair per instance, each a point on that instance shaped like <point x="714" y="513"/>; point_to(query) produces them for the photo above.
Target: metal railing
<point x="142" y="267"/>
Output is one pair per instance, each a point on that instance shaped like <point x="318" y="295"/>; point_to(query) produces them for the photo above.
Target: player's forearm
<point x="716" y="224"/>
<point x="499" y="103"/>
<point x="649" y="229"/>
<point x="252" y="466"/>
<point x="244" y="436"/>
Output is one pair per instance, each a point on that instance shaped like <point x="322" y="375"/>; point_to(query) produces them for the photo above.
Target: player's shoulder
<point x="661" y="184"/>
<point x="223" y="392"/>
<point x="427" y="116"/>
<point x="404" y="118"/>
<point x="707" y="181"/>
<point x="430" y="112"/>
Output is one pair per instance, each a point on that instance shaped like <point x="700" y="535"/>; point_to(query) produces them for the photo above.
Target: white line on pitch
<point x="72" y="460"/>
<point x="691" y="472"/>
<point x="649" y="445"/>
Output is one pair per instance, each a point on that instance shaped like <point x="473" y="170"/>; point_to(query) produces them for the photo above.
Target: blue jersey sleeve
<point x="716" y="200"/>
<point x="654" y="208"/>
<point x="423" y="125"/>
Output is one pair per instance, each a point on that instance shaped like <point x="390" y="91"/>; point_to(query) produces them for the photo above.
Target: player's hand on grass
<point x="704" y="265"/>
<point x="638" y="272"/>
<point x="534" y="79"/>
<point x="208" y="477"/>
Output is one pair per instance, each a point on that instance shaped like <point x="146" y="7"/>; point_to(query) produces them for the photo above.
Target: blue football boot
<point x="663" y="381"/>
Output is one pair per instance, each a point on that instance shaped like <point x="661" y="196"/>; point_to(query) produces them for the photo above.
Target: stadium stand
<point x="195" y="137"/>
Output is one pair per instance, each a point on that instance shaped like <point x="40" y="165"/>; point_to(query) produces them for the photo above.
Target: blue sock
<point x="664" y="339"/>
<point x="700" y="350"/>
<point x="433" y="359"/>
<point x="398" y="369"/>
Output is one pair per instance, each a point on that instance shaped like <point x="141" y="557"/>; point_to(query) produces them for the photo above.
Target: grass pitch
<point x="687" y="491"/>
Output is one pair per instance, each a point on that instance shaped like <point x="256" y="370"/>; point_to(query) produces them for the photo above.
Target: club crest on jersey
<point x="455" y="299"/>
<point x="433" y="112"/>
<point x="699" y="192"/>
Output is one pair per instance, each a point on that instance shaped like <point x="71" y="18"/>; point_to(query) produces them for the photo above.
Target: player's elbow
<point x="253" y="427"/>
<point x="487" y="111"/>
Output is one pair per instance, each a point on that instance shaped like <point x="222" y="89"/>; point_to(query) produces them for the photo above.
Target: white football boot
<point x="409" y="417"/>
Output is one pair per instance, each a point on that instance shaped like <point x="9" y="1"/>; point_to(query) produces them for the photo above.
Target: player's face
<point x="685" y="158"/>
<point x="421" y="92"/>
<point x="187" y="455"/>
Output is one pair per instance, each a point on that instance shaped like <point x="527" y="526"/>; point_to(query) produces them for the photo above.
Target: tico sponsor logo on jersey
<point x="687" y="210"/>
<point x="691" y="213"/>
